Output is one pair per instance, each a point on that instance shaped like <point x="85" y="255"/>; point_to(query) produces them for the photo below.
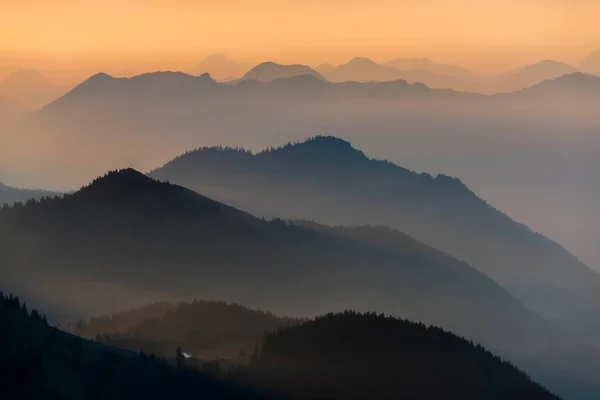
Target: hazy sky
<point x="485" y="35"/>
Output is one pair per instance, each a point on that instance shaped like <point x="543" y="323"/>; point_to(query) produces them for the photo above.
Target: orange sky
<point x="485" y="35"/>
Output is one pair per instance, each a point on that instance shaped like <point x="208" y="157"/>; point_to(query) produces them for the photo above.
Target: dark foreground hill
<point x="41" y="362"/>
<point x="126" y="240"/>
<point x="325" y="179"/>
<point x="370" y="356"/>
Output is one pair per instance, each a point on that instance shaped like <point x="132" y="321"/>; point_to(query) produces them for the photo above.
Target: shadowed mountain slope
<point x="327" y="180"/>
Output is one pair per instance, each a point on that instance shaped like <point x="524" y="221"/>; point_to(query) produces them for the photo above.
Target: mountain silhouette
<point x="324" y="69"/>
<point x="220" y="67"/>
<point x="362" y="69"/>
<point x="327" y="180"/>
<point x="146" y="120"/>
<point x="425" y="64"/>
<point x="531" y="75"/>
<point x="29" y="87"/>
<point x="141" y="239"/>
<point x="591" y="63"/>
<point x="351" y="355"/>
<point x="270" y="71"/>
<point x="576" y="87"/>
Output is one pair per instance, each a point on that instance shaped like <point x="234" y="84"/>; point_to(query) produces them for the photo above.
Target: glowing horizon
<point x="142" y="35"/>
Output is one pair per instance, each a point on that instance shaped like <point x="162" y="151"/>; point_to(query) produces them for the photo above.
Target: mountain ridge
<point x="437" y="211"/>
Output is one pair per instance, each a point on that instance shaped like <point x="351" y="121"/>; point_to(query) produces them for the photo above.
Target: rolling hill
<point x="531" y="75"/>
<point x="143" y="240"/>
<point x="10" y="195"/>
<point x="270" y="71"/>
<point x="206" y="329"/>
<point x="352" y="355"/>
<point x="41" y="362"/>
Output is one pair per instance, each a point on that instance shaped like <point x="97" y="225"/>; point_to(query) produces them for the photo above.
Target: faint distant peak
<point x="362" y="61"/>
<point x="591" y="63"/>
<point x="324" y="68"/>
<point x="27" y="75"/>
<point x="216" y="57"/>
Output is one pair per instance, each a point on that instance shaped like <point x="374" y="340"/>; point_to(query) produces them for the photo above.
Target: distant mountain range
<point x="365" y="70"/>
<point x="117" y="122"/>
<point x="325" y="179"/>
<point x="140" y="239"/>
<point x="418" y="70"/>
